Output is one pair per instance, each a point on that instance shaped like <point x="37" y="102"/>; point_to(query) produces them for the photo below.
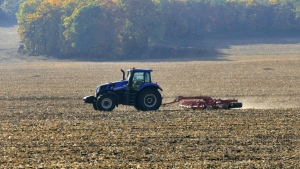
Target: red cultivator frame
<point x="205" y="102"/>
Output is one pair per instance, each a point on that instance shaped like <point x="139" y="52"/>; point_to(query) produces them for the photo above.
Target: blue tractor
<point x="136" y="90"/>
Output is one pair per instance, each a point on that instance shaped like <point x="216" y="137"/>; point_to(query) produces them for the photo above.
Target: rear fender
<point x="149" y="85"/>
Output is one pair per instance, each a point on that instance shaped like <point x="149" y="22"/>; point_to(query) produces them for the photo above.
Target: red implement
<point x="205" y="102"/>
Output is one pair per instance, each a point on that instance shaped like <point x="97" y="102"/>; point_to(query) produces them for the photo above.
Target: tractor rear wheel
<point x="137" y="107"/>
<point x="106" y="102"/>
<point x="149" y="99"/>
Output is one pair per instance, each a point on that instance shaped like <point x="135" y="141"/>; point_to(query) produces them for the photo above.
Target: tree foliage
<point x="143" y="22"/>
<point x="39" y="26"/>
<point x="93" y="28"/>
<point x="123" y="28"/>
<point x="8" y="8"/>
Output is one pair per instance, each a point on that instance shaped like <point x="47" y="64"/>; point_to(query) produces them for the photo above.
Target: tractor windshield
<point x="142" y="77"/>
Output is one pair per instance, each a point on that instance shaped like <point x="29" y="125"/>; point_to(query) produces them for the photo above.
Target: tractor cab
<point x="137" y="77"/>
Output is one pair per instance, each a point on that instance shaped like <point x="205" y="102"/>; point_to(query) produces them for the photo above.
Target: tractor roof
<point x="140" y="70"/>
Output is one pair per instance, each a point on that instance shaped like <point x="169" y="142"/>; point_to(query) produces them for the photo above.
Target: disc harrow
<point x="205" y="103"/>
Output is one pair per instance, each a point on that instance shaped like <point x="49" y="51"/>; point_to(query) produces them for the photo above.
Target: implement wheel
<point x="235" y="105"/>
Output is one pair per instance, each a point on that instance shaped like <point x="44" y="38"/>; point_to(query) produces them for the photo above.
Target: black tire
<point x="106" y="102"/>
<point x="137" y="107"/>
<point x="149" y="100"/>
<point x="235" y="105"/>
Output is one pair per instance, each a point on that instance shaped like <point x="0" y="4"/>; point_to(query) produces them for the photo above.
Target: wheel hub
<point x="106" y="103"/>
<point x="150" y="100"/>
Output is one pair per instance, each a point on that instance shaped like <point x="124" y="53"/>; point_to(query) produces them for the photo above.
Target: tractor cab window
<point x="139" y="78"/>
<point x="128" y="75"/>
<point x="147" y="77"/>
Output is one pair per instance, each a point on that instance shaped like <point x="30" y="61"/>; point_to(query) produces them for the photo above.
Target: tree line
<point x="116" y="29"/>
<point x="8" y="9"/>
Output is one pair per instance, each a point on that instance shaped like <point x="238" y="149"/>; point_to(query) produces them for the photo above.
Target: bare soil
<point x="45" y="124"/>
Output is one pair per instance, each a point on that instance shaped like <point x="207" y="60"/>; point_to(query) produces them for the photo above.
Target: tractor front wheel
<point x="149" y="99"/>
<point x="106" y="102"/>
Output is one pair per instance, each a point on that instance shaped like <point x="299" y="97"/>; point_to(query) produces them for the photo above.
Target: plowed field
<point x="45" y="124"/>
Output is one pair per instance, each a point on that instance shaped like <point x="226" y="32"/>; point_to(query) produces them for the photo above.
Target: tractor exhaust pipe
<point x="123" y="74"/>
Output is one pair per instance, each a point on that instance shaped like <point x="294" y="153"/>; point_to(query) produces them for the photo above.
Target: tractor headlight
<point x="98" y="89"/>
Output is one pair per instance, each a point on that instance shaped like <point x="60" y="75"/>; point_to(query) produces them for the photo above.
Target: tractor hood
<point x="118" y="85"/>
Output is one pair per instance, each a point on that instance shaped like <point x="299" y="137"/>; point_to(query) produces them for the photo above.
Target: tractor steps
<point x="132" y="98"/>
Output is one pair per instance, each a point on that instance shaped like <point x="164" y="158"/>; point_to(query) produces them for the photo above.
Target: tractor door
<point x="138" y="79"/>
<point x="135" y="80"/>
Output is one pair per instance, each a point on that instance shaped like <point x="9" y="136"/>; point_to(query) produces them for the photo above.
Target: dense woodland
<point x="118" y="29"/>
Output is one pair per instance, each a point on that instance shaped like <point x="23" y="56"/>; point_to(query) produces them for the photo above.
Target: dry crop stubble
<point x="45" y="124"/>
